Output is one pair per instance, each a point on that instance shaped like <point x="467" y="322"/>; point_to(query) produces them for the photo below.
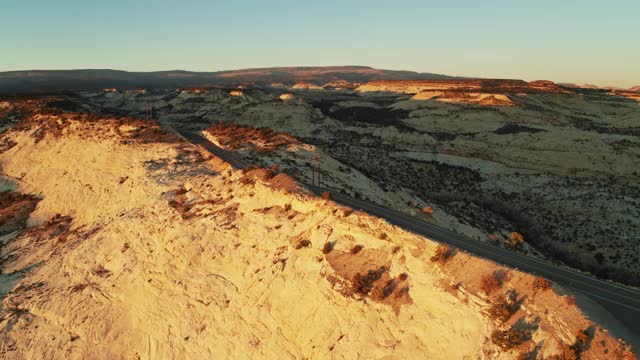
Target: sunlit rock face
<point x="236" y="93"/>
<point x="340" y="85"/>
<point x="286" y="97"/>
<point x="306" y="86"/>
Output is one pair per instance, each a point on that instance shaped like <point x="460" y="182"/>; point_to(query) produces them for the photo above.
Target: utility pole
<point x="315" y="167"/>
<point x="148" y="109"/>
<point x="313" y="174"/>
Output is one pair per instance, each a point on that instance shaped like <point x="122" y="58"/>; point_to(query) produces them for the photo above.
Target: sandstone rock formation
<point x="143" y="245"/>
<point x="286" y="97"/>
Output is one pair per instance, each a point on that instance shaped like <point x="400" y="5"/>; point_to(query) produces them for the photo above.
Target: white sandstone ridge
<point x="340" y="85"/>
<point x="462" y="85"/>
<point x="464" y="97"/>
<point x="286" y="97"/>
<point x="149" y="247"/>
<point x="305" y="85"/>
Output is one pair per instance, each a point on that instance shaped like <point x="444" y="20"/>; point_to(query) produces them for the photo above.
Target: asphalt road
<point x="620" y="301"/>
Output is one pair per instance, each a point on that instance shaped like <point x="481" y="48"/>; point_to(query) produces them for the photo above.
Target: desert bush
<point x="6" y="144"/>
<point x="328" y="247"/>
<point x="489" y="284"/>
<point x="356" y="249"/>
<point x="502" y="309"/>
<point x="382" y="292"/>
<point x="247" y="180"/>
<point x="101" y="271"/>
<point x="492" y="282"/>
<point x="583" y="341"/>
<point x="362" y="284"/>
<point x="541" y="284"/>
<point x="566" y="353"/>
<point x="509" y="339"/>
<point x="427" y="210"/>
<point x="326" y="195"/>
<point x="623" y="352"/>
<point x="515" y="241"/>
<point x="493" y="238"/>
<point x="570" y="300"/>
<point x="443" y="254"/>
<point x="528" y="355"/>
<point x="574" y="351"/>
<point x="303" y="243"/>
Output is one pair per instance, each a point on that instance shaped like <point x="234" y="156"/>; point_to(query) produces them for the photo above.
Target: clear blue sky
<point x="562" y="40"/>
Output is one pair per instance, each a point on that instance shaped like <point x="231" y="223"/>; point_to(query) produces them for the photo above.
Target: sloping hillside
<point x="142" y="245"/>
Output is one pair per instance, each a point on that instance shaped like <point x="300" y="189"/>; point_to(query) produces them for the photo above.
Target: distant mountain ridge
<point x="87" y="79"/>
<point x="591" y="86"/>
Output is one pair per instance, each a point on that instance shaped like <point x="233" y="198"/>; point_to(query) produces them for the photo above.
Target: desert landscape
<point x="554" y="163"/>
<point x="143" y="227"/>
<point x="357" y="180"/>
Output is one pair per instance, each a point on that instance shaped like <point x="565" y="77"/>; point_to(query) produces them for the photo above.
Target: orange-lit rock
<point x="287" y="96"/>
<point x="306" y="86"/>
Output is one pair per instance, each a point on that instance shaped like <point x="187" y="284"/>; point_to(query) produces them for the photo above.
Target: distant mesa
<point x="595" y="87"/>
<point x="359" y="78"/>
<point x="577" y="86"/>
<point x="544" y="85"/>
<point x="485" y="90"/>
<point x="97" y="79"/>
<point x="465" y="97"/>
